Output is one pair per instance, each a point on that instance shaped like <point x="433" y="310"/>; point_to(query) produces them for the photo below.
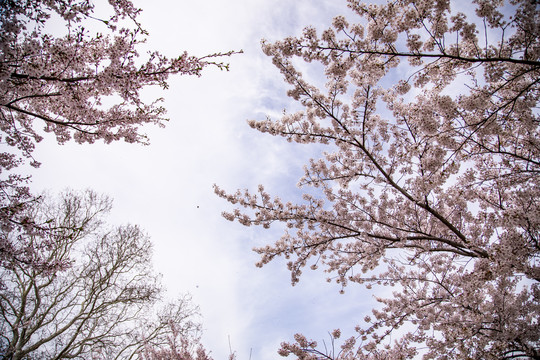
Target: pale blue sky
<point x="166" y="187"/>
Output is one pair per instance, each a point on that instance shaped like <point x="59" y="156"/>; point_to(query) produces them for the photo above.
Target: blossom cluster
<point x="83" y="86"/>
<point x="429" y="186"/>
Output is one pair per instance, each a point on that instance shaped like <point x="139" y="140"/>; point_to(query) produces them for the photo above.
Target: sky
<point x="166" y="187"/>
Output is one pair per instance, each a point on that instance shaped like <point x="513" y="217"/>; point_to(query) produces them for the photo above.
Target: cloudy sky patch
<point x="166" y="187"/>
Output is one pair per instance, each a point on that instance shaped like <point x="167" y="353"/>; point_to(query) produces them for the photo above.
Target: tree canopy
<point x="71" y="286"/>
<point x="83" y="85"/>
<point x="430" y="178"/>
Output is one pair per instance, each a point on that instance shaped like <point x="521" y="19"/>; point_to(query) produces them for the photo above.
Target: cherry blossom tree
<point x="429" y="182"/>
<point x="107" y="304"/>
<point x="82" y="85"/>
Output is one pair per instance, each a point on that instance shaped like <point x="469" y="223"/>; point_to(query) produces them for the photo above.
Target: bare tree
<point x="103" y="303"/>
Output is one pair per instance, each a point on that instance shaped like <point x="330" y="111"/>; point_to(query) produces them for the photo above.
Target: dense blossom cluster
<point x="83" y="86"/>
<point x="431" y="178"/>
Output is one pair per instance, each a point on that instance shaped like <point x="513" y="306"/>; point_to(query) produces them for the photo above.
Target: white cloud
<point x="167" y="187"/>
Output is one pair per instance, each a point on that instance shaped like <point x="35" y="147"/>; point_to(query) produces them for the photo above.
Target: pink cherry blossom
<point x="83" y="86"/>
<point x="430" y="179"/>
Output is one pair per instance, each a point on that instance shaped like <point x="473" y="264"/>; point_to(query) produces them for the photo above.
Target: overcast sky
<point x="166" y="187"/>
